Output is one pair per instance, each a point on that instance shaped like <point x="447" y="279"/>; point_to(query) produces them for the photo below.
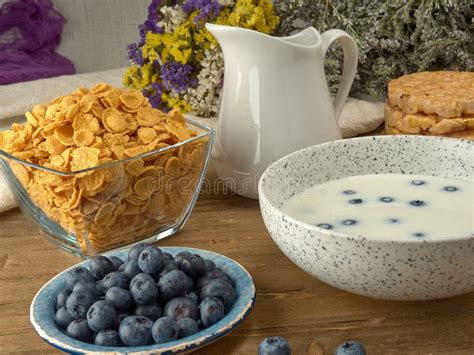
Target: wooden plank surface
<point x="290" y="303"/>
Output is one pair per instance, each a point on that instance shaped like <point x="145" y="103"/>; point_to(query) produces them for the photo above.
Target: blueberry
<point x="165" y="330"/>
<point x="135" y="251"/>
<point x="193" y="265"/>
<point x="78" y="304"/>
<point x="418" y="234"/>
<point x="181" y="256"/>
<point x="189" y="283"/>
<point x="210" y="266"/>
<point x="450" y="188"/>
<point x="193" y="296"/>
<point x="168" y="256"/>
<point x="348" y="192"/>
<point x="221" y="289"/>
<point x="78" y="329"/>
<point x="168" y="265"/>
<point x="324" y="225"/>
<point x="355" y="201"/>
<point x="119" y="317"/>
<point x="89" y="287"/>
<point x="107" y="337"/>
<point x="216" y="274"/>
<point x="131" y="268"/>
<point x="143" y="289"/>
<point x="274" y="346"/>
<point x="212" y="311"/>
<point x="351" y="347"/>
<point x="115" y="278"/>
<point x="136" y="331"/>
<point x="386" y="199"/>
<point x="150" y="260"/>
<point x="152" y="311"/>
<point x="100" y="316"/>
<point x="349" y="222"/>
<point x="120" y="298"/>
<point x="181" y="307"/>
<point x="116" y="261"/>
<point x="101" y="266"/>
<point x="173" y="284"/>
<point x="62" y="318"/>
<point x="418" y="182"/>
<point x="187" y="327"/>
<point x="62" y="297"/>
<point x="417" y="203"/>
<point x="78" y="274"/>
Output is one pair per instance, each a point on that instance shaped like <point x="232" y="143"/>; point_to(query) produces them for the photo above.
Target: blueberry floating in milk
<point x="394" y="206"/>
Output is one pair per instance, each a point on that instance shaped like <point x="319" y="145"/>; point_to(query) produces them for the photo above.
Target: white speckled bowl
<point x="374" y="267"/>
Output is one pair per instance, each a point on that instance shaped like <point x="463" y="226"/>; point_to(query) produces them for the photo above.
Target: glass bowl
<point x="107" y="207"/>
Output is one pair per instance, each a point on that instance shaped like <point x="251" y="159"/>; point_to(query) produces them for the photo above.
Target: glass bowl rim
<point x="208" y="132"/>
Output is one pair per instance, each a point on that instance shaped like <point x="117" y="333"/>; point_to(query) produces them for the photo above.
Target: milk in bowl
<point x="395" y="206"/>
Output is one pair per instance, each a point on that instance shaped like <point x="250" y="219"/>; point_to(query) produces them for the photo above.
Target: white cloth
<point x="357" y="116"/>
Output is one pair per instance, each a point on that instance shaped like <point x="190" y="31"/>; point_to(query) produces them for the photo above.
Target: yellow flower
<point x="176" y="102"/>
<point x="254" y="14"/>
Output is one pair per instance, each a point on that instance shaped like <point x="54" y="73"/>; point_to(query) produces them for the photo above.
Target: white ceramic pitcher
<point x="275" y="99"/>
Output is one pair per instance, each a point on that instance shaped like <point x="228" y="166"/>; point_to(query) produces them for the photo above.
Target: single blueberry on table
<point x="100" y="266"/>
<point x="115" y="278"/>
<point x="221" y="289"/>
<point x="165" y="330"/>
<point x="274" y="346"/>
<point x="348" y="192"/>
<point x="62" y="297"/>
<point x="144" y="289"/>
<point x="78" y="329"/>
<point x="187" y="327"/>
<point x="349" y="222"/>
<point x="386" y="199"/>
<point x="152" y="311"/>
<point x="85" y="286"/>
<point x="135" y="251"/>
<point x="120" y="298"/>
<point x="77" y="274"/>
<point x="324" y="225"/>
<point x="78" y="304"/>
<point x="181" y="307"/>
<point x="211" y="310"/>
<point x="135" y="331"/>
<point x="101" y="316"/>
<point x="173" y="284"/>
<point x="116" y="261"/>
<point x="62" y="318"/>
<point x="108" y="337"/>
<point x="417" y="203"/>
<point x="150" y="260"/>
<point x="351" y="347"/>
<point x="450" y="188"/>
<point x="355" y="201"/>
<point x="419" y="234"/>
<point x="418" y="182"/>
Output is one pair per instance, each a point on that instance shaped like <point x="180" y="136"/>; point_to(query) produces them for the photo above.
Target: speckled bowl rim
<point x="240" y="310"/>
<point x="392" y="138"/>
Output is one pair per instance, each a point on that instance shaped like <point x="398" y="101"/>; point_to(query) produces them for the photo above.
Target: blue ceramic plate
<point x="43" y="309"/>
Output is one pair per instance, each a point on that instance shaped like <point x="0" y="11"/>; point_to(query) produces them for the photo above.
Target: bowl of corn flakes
<point x="99" y="168"/>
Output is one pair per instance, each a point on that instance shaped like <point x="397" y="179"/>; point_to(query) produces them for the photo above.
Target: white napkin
<point x="357" y="117"/>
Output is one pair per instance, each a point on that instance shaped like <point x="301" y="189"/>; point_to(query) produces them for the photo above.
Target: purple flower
<point x="177" y="76"/>
<point x="135" y="53"/>
<point x="154" y="93"/>
<point x="207" y="9"/>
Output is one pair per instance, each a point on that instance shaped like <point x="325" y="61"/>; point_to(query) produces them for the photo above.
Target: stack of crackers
<point x="431" y="103"/>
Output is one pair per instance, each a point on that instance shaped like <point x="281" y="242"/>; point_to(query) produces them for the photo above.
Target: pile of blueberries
<point x="152" y="298"/>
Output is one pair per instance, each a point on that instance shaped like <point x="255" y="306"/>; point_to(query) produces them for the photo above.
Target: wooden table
<point x="290" y="303"/>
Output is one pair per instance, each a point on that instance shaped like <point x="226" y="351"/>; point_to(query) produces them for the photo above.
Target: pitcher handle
<point x="349" y="70"/>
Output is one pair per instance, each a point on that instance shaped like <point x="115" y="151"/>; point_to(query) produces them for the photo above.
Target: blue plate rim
<point x="213" y="333"/>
